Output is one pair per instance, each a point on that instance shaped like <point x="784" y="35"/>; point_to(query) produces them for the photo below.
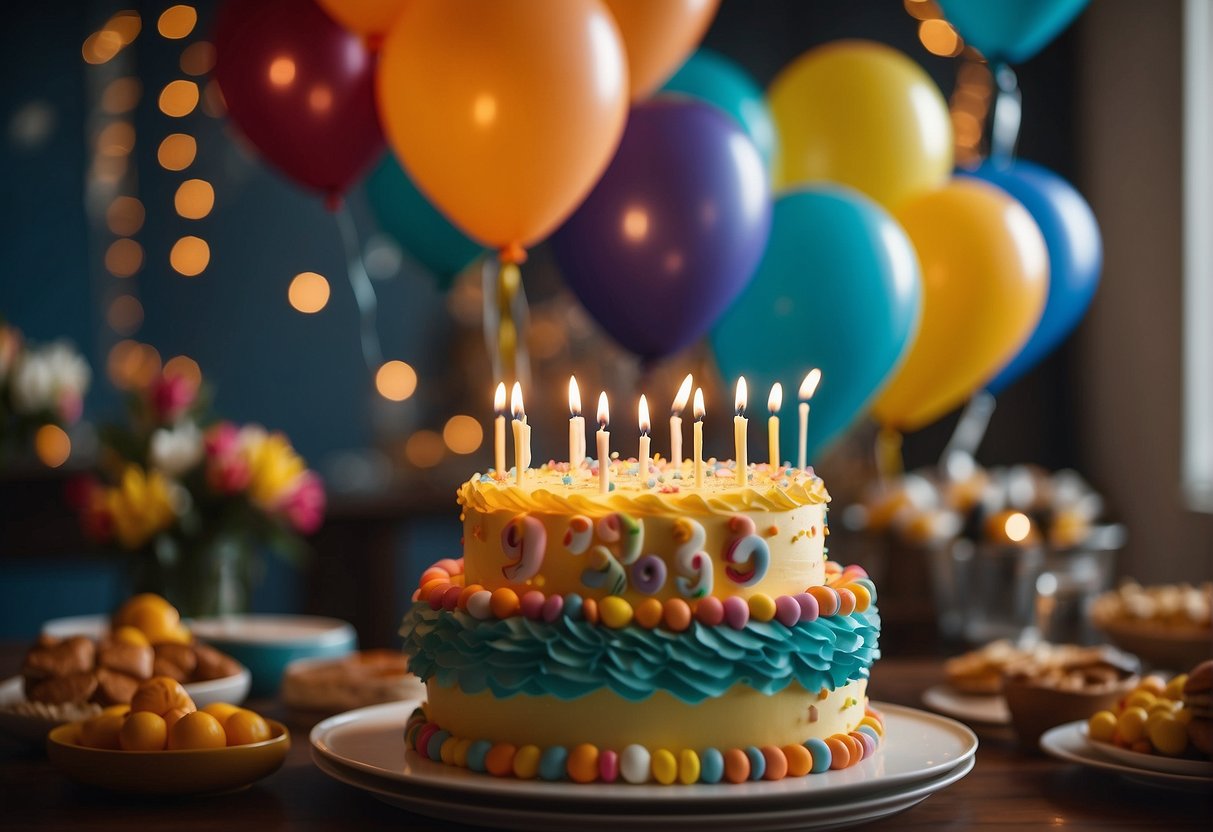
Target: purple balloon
<point x="673" y="231"/>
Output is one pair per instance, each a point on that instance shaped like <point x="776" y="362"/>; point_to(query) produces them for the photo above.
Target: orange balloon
<point x="504" y="114"/>
<point x="369" y="18"/>
<point x="985" y="275"/>
<point x="658" y="36"/>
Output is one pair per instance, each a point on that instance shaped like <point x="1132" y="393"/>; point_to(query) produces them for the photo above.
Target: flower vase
<point x="201" y="577"/>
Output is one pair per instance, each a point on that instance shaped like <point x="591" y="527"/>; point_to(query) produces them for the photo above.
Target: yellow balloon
<point x="985" y="275"/>
<point x="861" y="114"/>
<point x="369" y="18"/>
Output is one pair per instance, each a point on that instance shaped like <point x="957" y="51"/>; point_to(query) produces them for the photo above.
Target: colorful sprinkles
<point x="847" y="590"/>
<point x="586" y="763"/>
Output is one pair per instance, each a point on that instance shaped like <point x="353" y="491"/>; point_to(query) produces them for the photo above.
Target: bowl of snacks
<point x="1043" y="694"/>
<point x="266" y="644"/>
<point x="1167" y="625"/>
<point x="161" y="743"/>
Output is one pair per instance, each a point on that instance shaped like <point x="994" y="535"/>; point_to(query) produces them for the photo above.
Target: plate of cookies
<point x="69" y="677"/>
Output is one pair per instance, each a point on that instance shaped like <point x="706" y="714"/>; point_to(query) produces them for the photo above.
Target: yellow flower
<point x="273" y="468"/>
<point x="139" y="505"/>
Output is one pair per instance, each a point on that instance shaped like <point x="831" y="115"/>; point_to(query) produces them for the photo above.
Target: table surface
<point x="1007" y="788"/>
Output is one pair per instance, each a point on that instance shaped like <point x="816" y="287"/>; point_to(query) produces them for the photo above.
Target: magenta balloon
<point x="673" y="231"/>
<point x="301" y="88"/>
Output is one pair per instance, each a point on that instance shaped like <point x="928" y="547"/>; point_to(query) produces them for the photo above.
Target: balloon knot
<point x="512" y="253"/>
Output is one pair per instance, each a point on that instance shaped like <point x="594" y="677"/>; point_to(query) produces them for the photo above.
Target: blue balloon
<point x="405" y="214"/>
<point x="713" y="78"/>
<point x="1075" y="255"/>
<point x="1010" y="30"/>
<point x="838" y="288"/>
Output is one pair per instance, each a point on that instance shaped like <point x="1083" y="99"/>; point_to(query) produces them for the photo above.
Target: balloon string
<point x="1008" y="112"/>
<point x="505" y="318"/>
<point x="971" y="429"/>
<point x="361" y="286"/>
<point x="889" y="463"/>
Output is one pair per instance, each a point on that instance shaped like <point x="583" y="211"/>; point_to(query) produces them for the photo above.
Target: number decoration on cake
<point x="623" y="529"/>
<point x="605" y="571"/>
<point x="746" y="550"/>
<point x="649" y="574"/>
<point x="580" y="534"/>
<point x="524" y="540"/>
<point x="694" y="566"/>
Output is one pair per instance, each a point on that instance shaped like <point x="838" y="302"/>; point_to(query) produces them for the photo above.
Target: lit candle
<point x="522" y="434"/>
<point x="499" y="430"/>
<point x="699" y="414"/>
<point x="576" y="426"/>
<point x="604" y="445"/>
<point x="774" y="402"/>
<point x="644" y="439"/>
<point x="680" y="403"/>
<point x="739" y="432"/>
<point x="807" y="388"/>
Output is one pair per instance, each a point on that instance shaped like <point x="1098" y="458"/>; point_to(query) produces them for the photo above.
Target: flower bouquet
<point x="41" y="387"/>
<point x="196" y="501"/>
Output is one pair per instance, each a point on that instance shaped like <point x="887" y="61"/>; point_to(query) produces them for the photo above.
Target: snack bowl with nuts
<point x="1168" y="625"/>
<point x="1043" y="695"/>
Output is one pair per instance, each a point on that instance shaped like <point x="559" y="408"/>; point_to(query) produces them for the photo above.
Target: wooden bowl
<point x="1035" y="708"/>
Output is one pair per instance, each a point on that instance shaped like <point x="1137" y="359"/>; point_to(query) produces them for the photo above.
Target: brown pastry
<point x="71" y="687"/>
<point x="51" y="657"/>
<point x="180" y="656"/>
<point x="212" y="664"/>
<point x="114" y="688"/>
<point x="163" y="667"/>
<point x="1198" y="691"/>
<point x="130" y="659"/>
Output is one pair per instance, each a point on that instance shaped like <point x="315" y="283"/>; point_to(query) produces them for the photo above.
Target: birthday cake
<point x="655" y="632"/>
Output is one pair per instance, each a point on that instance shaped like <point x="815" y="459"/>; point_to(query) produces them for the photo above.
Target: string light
<point x="194" y="199"/>
<point x="425" y="449"/>
<point x="308" y="292"/>
<point x="177" y="151"/>
<point x="182" y="366"/>
<point x="177" y="22"/>
<point x="124" y="216"/>
<point x="52" y="445"/>
<point x="198" y="58"/>
<point x="121" y="95"/>
<point x="124" y="257"/>
<point x="462" y="434"/>
<point x="190" y="256"/>
<point x="179" y="98"/>
<point x="396" y="381"/>
<point x="940" y="38"/>
<point x="125" y="314"/>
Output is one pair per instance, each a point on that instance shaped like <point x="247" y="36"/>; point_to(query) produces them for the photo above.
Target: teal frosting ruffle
<point x="570" y="658"/>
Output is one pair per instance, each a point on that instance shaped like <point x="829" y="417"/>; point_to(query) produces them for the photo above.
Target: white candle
<point x="740" y="422"/>
<point x="644" y="439"/>
<point x="604" y="446"/>
<point x="576" y="426"/>
<point x="680" y="403"/>
<point x="522" y="435"/>
<point x="774" y="402"/>
<point x="807" y="388"/>
<point x="499" y="430"/>
<point x="699" y="414"/>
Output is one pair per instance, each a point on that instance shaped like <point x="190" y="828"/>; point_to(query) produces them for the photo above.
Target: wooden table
<point x="1007" y="789"/>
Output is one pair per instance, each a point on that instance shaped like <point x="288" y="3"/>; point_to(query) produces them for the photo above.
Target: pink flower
<point x="71" y="406"/>
<point x="227" y="469"/>
<point x="304" y="504"/>
<point x="171" y="396"/>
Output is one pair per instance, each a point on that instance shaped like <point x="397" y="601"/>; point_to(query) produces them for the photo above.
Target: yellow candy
<point x="1175" y="687"/>
<point x="196" y="730"/>
<point x="102" y="731"/>
<point x="1102" y="726"/>
<point x="1154" y="684"/>
<point x="1132" y="724"/>
<point x="161" y="694"/>
<point x="245" y="727"/>
<point x="614" y="612"/>
<point x="1163" y="706"/>
<point x="874" y="724"/>
<point x="688" y="767"/>
<point x="1168" y="735"/>
<point x="1141" y="699"/>
<point x="665" y="767"/>
<point x="143" y="731"/>
<point x="762" y="607"/>
<point x="447" y="752"/>
<point x="526" y="762"/>
<point x="220" y="710"/>
<point x="460" y="755"/>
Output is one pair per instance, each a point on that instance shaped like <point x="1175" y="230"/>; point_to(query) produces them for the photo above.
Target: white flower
<point x="176" y="450"/>
<point x="46" y="377"/>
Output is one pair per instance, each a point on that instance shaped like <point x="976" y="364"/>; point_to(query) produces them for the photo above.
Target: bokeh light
<point x="190" y="256"/>
<point x="52" y="445"/>
<point x="462" y="434"/>
<point x="123" y="258"/>
<point x="116" y="139"/>
<point x="396" y="381"/>
<point x="177" y="151"/>
<point x="308" y="292"/>
<point x="940" y="38"/>
<point x="177" y="22"/>
<point x="213" y="103"/>
<point x="100" y="46"/>
<point x="198" y="58"/>
<point x="126" y="25"/>
<point x="121" y="95"/>
<point x="182" y="366"/>
<point x="282" y="72"/>
<point x="179" y="98"/>
<point x="425" y="449"/>
<point x="194" y="199"/>
<point x="125" y="314"/>
<point x="124" y="216"/>
<point x="1018" y="526"/>
<point x="132" y="365"/>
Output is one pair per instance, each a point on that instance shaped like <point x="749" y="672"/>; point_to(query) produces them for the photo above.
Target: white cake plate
<point x="1069" y="742"/>
<point x="923" y="753"/>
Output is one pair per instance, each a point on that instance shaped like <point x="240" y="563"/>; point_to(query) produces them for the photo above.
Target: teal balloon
<point x="419" y="228"/>
<point x="838" y="288"/>
<point x="715" y="79"/>
<point x="1010" y="30"/>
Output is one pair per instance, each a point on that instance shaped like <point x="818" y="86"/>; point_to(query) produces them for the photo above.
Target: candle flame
<point x="499" y="399"/>
<point x="698" y="407"/>
<point x="809" y="386"/>
<point x="742" y="395"/>
<point x="680" y="400"/>
<point x="644" y="415"/>
<point x="1018" y="526"/>
<point x="516" y="401"/>
<point x="775" y="400"/>
<point x="574" y="397"/>
<point x="604" y="413"/>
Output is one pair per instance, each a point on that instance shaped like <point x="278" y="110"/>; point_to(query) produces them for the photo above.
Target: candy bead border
<point x="636" y="764"/>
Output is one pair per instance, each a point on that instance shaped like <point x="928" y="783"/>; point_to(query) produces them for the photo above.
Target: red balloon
<point x="301" y="88"/>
